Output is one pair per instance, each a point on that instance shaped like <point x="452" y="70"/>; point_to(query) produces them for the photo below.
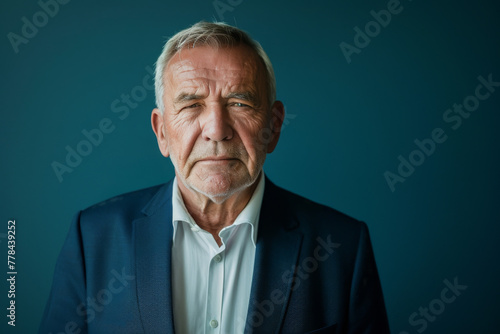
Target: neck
<point x="212" y="216"/>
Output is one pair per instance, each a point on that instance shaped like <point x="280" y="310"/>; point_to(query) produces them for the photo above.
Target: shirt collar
<point x="250" y="214"/>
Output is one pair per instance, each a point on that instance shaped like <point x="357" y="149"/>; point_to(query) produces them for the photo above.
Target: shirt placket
<point x="215" y="293"/>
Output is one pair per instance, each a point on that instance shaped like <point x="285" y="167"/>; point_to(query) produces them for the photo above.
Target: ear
<point x="277" y="118"/>
<point x="158" y="124"/>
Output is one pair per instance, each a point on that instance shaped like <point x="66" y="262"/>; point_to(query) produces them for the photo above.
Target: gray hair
<point x="216" y="35"/>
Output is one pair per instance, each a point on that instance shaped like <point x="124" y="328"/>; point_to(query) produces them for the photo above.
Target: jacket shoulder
<point x="314" y="215"/>
<point x="124" y="207"/>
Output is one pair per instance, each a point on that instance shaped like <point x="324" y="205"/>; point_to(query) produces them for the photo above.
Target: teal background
<point x="347" y="124"/>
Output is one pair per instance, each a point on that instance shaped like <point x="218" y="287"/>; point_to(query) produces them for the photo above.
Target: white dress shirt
<point x="211" y="284"/>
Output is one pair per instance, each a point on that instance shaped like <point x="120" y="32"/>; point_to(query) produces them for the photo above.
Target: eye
<point x="196" y="105"/>
<point x="241" y="105"/>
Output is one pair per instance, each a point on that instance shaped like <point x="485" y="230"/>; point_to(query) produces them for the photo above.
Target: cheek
<point x="254" y="135"/>
<point x="182" y="135"/>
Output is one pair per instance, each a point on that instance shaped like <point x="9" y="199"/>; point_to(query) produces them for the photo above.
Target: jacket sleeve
<point x="65" y="309"/>
<point x="367" y="312"/>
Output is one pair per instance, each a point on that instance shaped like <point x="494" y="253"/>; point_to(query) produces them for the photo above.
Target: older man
<point x="219" y="249"/>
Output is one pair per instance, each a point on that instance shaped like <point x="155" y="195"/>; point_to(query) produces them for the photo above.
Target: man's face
<point x="217" y="125"/>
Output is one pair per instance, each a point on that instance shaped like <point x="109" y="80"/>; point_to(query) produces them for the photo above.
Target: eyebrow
<point x="246" y="96"/>
<point x="185" y="97"/>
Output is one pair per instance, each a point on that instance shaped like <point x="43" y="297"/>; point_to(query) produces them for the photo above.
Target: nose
<point x="216" y="124"/>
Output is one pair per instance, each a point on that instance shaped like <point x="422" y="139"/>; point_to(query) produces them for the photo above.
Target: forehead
<point x="230" y="65"/>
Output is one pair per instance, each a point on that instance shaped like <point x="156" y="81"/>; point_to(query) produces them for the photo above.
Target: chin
<point x="220" y="187"/>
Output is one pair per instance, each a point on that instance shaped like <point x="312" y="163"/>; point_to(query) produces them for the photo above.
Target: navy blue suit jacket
<point x="314" y="269"/>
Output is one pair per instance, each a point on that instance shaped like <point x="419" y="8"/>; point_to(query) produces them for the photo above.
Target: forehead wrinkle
<point x="193" y="86"/>
<point x="185" y="77"/>
<point x="185" y="66"/>
<point x="203" y="79"/>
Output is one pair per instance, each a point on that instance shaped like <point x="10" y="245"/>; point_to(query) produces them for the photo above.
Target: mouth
<point x="217" y="160"/>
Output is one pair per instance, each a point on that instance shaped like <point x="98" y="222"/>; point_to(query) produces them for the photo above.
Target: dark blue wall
<point x="353" y="117"/>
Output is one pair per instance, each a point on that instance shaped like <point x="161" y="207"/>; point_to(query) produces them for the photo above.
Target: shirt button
<point x="214" y="323"/>
<point x="217" y="258"/>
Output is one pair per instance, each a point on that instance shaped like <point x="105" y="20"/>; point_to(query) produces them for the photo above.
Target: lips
<point x="221" y="158"/>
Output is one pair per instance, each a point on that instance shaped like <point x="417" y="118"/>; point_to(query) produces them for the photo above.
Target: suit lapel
<point x="278" y="249"/>
<point x="153" y="247"/>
